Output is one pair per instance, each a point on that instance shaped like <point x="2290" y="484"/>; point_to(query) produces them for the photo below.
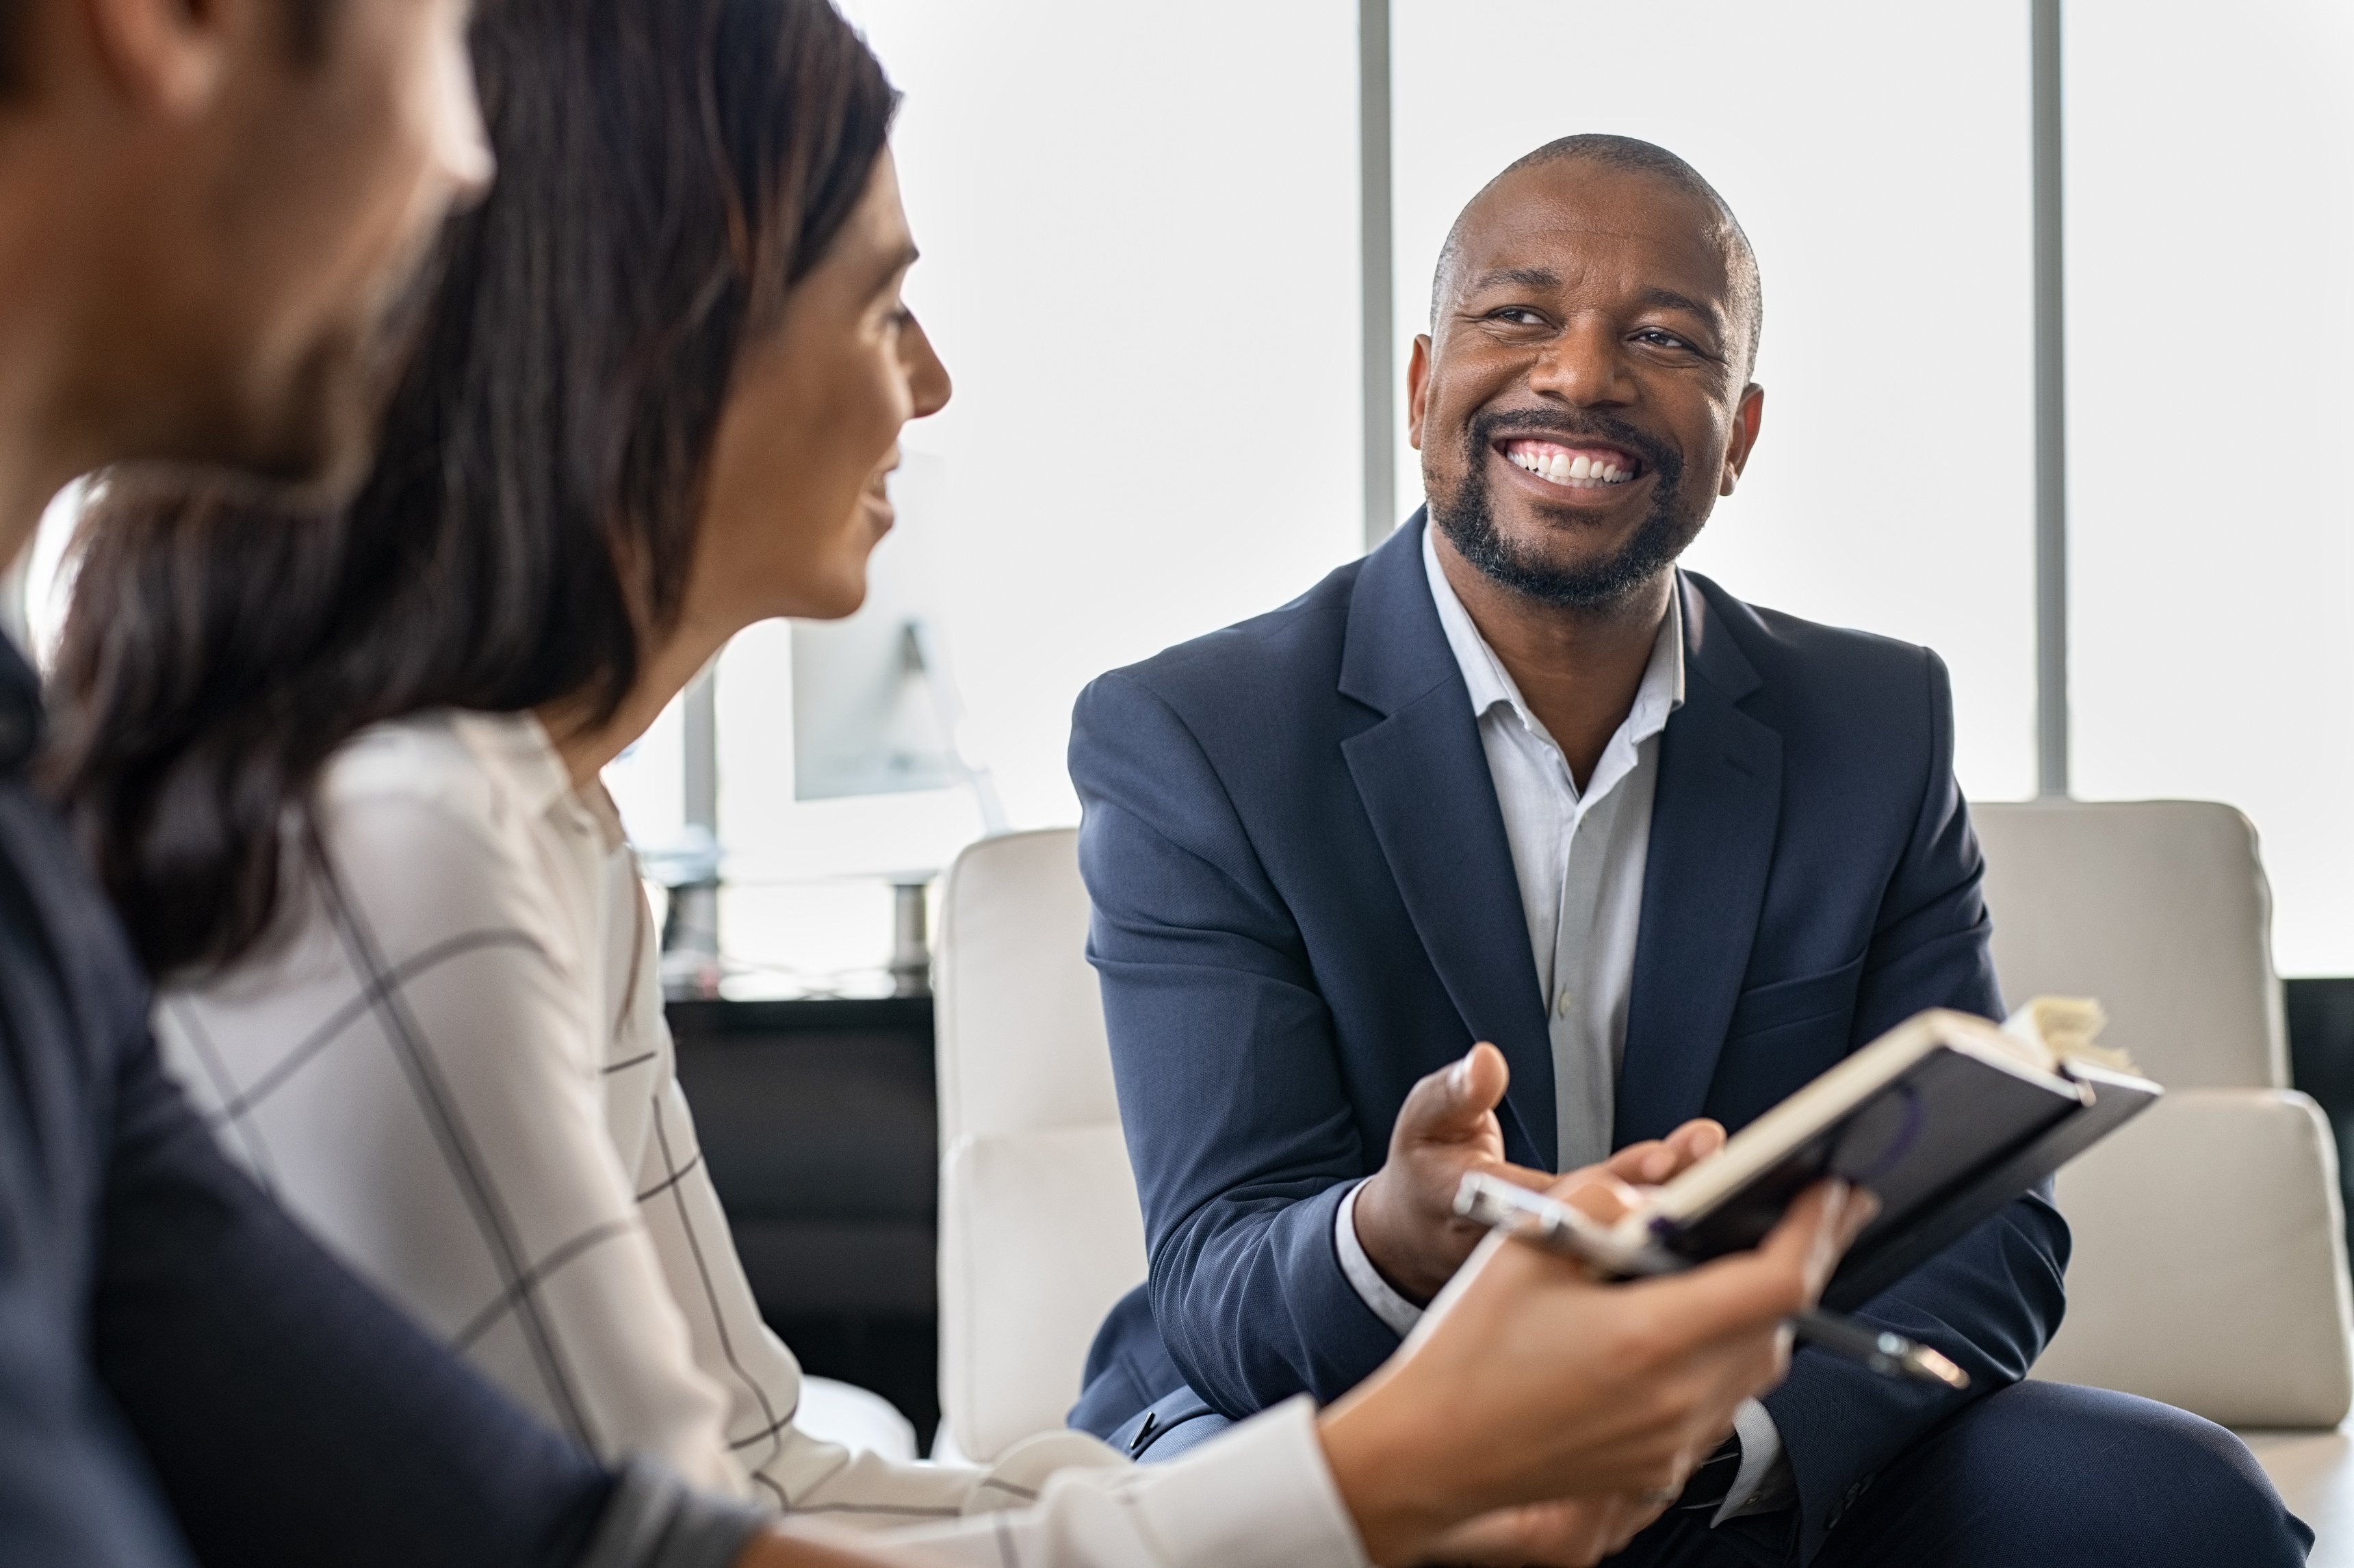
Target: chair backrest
<point x="2160" y="908"/>
<point x="1019" y="1020"/>
<point x="1040" y="1229"/>
<point x="2209" y="1268"/>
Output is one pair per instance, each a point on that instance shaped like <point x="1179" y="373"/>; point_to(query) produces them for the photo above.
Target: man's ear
<point x="1418" y="389"/>
<point x="170" y="57"/>
<point x="1746" y="419"/>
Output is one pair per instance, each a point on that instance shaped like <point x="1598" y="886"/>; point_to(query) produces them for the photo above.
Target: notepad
<point x="1947" y="1119"/>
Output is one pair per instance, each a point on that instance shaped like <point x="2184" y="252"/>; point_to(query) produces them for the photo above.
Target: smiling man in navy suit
<point x="1516" y="778"/>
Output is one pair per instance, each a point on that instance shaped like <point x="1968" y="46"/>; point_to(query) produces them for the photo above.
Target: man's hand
<point x="1448" y="1128"/>
<point x="1528" y="1381"/>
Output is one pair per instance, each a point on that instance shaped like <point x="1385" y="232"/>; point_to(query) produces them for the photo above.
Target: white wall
<point x="1140" y="236"/>
<point x="1140" y="227"/>
<point x="1877" y="154"/>
<point x="2210" y="251"/>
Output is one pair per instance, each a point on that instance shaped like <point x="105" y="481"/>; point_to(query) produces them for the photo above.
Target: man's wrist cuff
<point x="1398" y="1314"/>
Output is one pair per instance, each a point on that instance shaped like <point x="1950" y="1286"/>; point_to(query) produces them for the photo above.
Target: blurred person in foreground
<point x="207" y="213"/>
<point x="1516" y="778"/>
<point x="209" y="206"/>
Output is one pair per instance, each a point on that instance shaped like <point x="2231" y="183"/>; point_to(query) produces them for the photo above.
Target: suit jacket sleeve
<point x="1993" y="1299"/>
<point x="1238" y="1125"/>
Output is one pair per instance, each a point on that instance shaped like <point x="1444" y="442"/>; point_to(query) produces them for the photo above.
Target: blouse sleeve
<point x="731" y="1345"/>
<point x="1259" y="1496"/>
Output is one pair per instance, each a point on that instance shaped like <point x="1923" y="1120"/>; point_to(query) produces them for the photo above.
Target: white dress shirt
<point x="450" y="1063"/>
<point x="1578" y="856"/>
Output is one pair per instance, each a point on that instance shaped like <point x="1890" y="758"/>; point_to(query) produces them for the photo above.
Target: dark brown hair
<point x="14" y="22"/>
<point x="667" y="170"/>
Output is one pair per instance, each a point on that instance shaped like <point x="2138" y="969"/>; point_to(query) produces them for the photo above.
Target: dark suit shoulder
<point x="1832" y="675"/>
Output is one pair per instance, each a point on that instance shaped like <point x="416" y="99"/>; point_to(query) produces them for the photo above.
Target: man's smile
<point x="1585" y="466"/>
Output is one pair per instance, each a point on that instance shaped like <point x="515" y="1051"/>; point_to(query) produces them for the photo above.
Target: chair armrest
<point x="2210" y="1263"/>
<point x="1040" y="1235"/>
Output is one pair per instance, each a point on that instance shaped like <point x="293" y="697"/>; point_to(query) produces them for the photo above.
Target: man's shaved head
<point x="1584" y="394"/>
<point x="1627" y="155"/>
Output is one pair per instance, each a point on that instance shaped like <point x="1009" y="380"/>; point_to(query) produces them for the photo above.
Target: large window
<point x="1141" y="227"/>
<point x="2211" y="299"/>
<point x="1140" y="220"/>
<point x="1878" y="156"/>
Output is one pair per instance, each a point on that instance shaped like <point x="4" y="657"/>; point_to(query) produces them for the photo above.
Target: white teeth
<point x="1581" y="471"/>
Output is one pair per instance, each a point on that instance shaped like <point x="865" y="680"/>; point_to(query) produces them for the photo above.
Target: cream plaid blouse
<point x="450" y="1063"/>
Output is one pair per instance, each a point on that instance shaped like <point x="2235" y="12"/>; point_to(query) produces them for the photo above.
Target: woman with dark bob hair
<point x="340" y="773"/>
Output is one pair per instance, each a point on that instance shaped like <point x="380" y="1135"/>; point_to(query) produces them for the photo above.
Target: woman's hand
<point x="1567" y="1532"/>
<point x="1528" y="1381"/>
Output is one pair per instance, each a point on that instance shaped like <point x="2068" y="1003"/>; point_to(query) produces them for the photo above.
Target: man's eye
<point x="1661" y="338"/>
<point x="1518" y="315"/>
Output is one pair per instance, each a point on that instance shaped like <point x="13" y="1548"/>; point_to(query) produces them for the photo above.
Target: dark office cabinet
<point x="2320" y="1014"/>
<point x="820" y="1124"/>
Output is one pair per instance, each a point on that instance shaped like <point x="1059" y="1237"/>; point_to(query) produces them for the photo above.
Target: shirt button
<point x="1561" y="1005"/>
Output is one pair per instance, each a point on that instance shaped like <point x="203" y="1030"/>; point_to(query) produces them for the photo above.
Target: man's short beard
<point x="1469" y="520"/>
<point x="314" y="445"/>
<point x="327" y="440"/>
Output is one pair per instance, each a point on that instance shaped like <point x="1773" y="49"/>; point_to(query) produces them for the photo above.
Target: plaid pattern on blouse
<point x="451" y="1064"/>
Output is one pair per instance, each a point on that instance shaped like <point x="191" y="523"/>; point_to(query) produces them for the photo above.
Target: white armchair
<point x="2160" y="910"/>
<point x="2209" y="1267"/>
<point x="1040" y="1230"/>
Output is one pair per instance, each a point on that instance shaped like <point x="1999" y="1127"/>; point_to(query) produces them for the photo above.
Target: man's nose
<point x="1585" y="365"/>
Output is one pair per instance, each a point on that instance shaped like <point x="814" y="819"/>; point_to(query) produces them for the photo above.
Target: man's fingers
<point x="1450" y="1104"/>
<point x="1658" y="1159"/>
<point x="1646" y="1164"/>
<point x="1521" y="1175"/>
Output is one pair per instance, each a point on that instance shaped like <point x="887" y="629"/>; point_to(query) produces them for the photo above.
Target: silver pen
<point x="1533" y="1217"/>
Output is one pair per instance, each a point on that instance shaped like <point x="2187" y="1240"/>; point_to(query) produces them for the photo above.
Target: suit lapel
<point x="1713" y="821"/>
<point x="1422" y="777"/>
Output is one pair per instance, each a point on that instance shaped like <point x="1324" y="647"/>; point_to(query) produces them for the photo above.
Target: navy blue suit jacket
<point x="184" y="1374"/>
<point x="1304" y="901"/>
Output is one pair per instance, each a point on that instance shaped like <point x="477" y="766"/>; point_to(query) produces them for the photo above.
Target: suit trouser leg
<point x="2042" y="1473"/>
<point x="1169" y="1428"/>
<point x="2048" y="1472"/>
